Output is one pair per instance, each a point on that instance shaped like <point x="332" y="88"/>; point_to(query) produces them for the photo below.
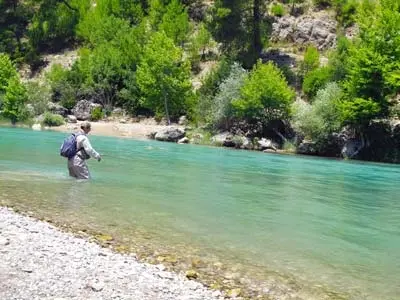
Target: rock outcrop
<point x="319" y="30"/>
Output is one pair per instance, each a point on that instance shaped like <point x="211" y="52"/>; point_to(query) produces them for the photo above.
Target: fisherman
<point x="77" y="166"/>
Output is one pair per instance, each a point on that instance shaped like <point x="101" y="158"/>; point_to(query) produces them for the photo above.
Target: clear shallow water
<point x="323" y="223"/>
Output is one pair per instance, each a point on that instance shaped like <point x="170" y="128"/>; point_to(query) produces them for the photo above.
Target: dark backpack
<point x="68" y="148"/>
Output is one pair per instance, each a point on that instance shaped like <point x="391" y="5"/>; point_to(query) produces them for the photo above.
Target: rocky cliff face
<point x="316" y="29"/>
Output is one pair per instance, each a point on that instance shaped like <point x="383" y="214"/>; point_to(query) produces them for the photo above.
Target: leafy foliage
<point x="52" y="119"/>
<point x="373" y="63"/>
<point x="278" y="10"/>
<point x="163" y="77"/>
<point x="7" y="71"/>
<point x="322" y="118"/>
<point x="38" y="96"/>
<point x="346" y="11"/>
<point x="175" y="22"/>
<point x="97" y="114"/>
<point x="241" y="27"/>
<point x="209" y="88"/>
<point x="229" y="90"/>
<point x="358" y="112"/>
<point x="265" y="94"/>
<point x="310" y="61"/>
<point x="14" y="101"/>
<point x="315" y="80"/>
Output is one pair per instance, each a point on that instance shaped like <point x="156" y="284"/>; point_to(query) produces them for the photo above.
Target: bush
<point x="38" y="95"/>
<point x="52" y="119"/>
<point x="63" y="89"/>
<point x="209" y="89"/>
<point x="265" y="95"/>
<point x="7" y="71"/>
<point x="319" y="120"/>
<point x="310" y="61"/>
<point x="358" y="111"/>
<point x="316" y="80"/>
<point x="229" y="90"/>
<point x="346" y="11"/>
<point x="394" y="111"/>
<point x="323" y="3"/>
<point x="97" y="114"/>
<point x="278" y="10"/>
<point x="14" y="100"/>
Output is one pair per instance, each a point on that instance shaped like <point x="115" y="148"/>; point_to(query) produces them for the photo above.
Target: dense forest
<point x="143" y="56"/>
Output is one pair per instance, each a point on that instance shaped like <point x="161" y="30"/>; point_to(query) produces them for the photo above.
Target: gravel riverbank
<point x="38" y="261"/>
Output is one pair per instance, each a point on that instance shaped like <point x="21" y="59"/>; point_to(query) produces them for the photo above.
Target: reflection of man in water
<point x="77" y="166"/>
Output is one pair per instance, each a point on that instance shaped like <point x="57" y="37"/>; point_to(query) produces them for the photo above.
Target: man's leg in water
<point x="71" y="168"/>
<point x="81" y="169"/>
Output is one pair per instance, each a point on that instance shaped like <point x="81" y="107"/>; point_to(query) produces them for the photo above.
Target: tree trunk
<point x="166" y="107"/>
<point x="257" y="45"/>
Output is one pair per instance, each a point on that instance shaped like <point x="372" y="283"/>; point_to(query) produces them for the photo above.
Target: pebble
<point x="41" y="262"/>
<point x="4" y="241"/>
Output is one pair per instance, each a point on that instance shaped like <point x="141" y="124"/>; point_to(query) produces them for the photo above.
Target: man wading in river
<point x="78" y="149"/>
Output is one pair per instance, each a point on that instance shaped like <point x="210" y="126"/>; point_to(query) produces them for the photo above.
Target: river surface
<point x="328" y="229"/>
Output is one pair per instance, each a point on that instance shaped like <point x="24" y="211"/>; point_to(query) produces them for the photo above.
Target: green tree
<point x="265" y="95"/>
<point x="239" y="25"/>
<point x="358" y="112"/>
<point x="373" y="63"/>
<point x="228" y="91"/>
<point x="319" y="120"/>
<point x="316" y="80"/>
<point x="310" y="61"/>
<point x="53" y="25"/>
<point x="175" y="22"/>
<point x="163" y="77"/>
<point x="7" y="72"/>
<point x="14" y="19"/>
<point x="14" y="101"/>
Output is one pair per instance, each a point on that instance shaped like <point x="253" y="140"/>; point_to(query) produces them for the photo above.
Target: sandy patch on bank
<point x="116" y="129"/>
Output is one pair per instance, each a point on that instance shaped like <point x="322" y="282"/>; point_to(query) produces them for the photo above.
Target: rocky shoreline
<point x="41" y="262"/>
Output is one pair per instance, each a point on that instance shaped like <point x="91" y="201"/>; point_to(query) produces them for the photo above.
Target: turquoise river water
<point x="330" y="228"/>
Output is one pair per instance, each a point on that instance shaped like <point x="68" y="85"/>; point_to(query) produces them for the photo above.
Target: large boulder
<point x="57" y="109"/>
<point x="307" y="148"/>
<point x="265" y="144"/>
<point x="170" y="134"/>
<point x="351" y="148"/>
<point x="71" y="119"/>
<point x="83" y="109"/>
<point x="221" y="138"/>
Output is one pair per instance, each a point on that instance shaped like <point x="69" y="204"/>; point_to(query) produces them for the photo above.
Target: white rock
<point x="37" y="127"/>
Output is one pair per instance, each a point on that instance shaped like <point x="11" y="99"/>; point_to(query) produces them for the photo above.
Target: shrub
<point x="63" y="89"/>
<point x="346" y="11"/>
<point x="310" y="61"/>
<point x="265" y="94"/>
<point x="319" y="120"/>
<point x="7" y="71"/>
<point x="209" y="89"/>
<point x="38" y="95"/>
<point x="394" y="111"/>
<point x="359" y="111"/>
<point x="52" y="119"/>
<point x="13" y="106"/>
<point x="97" y="114"/>
<point x="323" y="3"/>
<point x="315" y="80"/>
<point x="229" y="90"/>
<point x="278" y="10"/>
